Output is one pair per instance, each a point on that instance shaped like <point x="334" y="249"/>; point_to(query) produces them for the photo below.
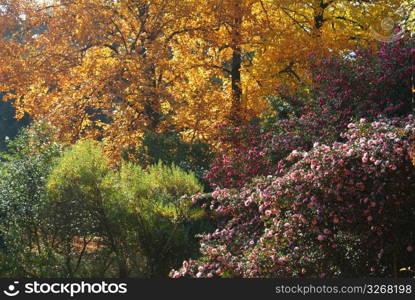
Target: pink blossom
<point x="325" y="148"/>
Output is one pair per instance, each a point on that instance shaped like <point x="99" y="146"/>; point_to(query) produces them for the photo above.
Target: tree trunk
<point x="235" y="116"/>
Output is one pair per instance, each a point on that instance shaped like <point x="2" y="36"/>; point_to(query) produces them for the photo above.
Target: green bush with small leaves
<point x="165" y="220"/>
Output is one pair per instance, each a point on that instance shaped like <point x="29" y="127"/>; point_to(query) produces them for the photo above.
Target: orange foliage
<point x="110" y="70"/>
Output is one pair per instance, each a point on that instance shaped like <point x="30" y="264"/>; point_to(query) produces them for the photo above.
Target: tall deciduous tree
<point x="112" y="69"/>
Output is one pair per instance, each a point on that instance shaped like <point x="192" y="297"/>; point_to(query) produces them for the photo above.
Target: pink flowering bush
<point x="341" y="209"/>
<point x="365" y="84"/>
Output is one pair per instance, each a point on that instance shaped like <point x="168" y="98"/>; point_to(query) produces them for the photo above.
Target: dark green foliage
<point x="170" y="148"/>
<point x="9" y="126"/>
<point x="24" y="250"/>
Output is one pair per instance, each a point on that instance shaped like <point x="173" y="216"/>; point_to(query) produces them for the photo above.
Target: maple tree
<point x="110" y="70"/>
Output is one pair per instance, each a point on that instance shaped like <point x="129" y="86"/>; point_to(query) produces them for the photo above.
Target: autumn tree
<point x="110" y="70"/>
<point x="94" y="68"/>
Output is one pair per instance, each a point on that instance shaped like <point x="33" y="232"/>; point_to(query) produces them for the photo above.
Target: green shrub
<point x="79" y="210"/>
<point x="166" y="222"/>
<point x="74" y="187"/>
<point x="24" y="250"/>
